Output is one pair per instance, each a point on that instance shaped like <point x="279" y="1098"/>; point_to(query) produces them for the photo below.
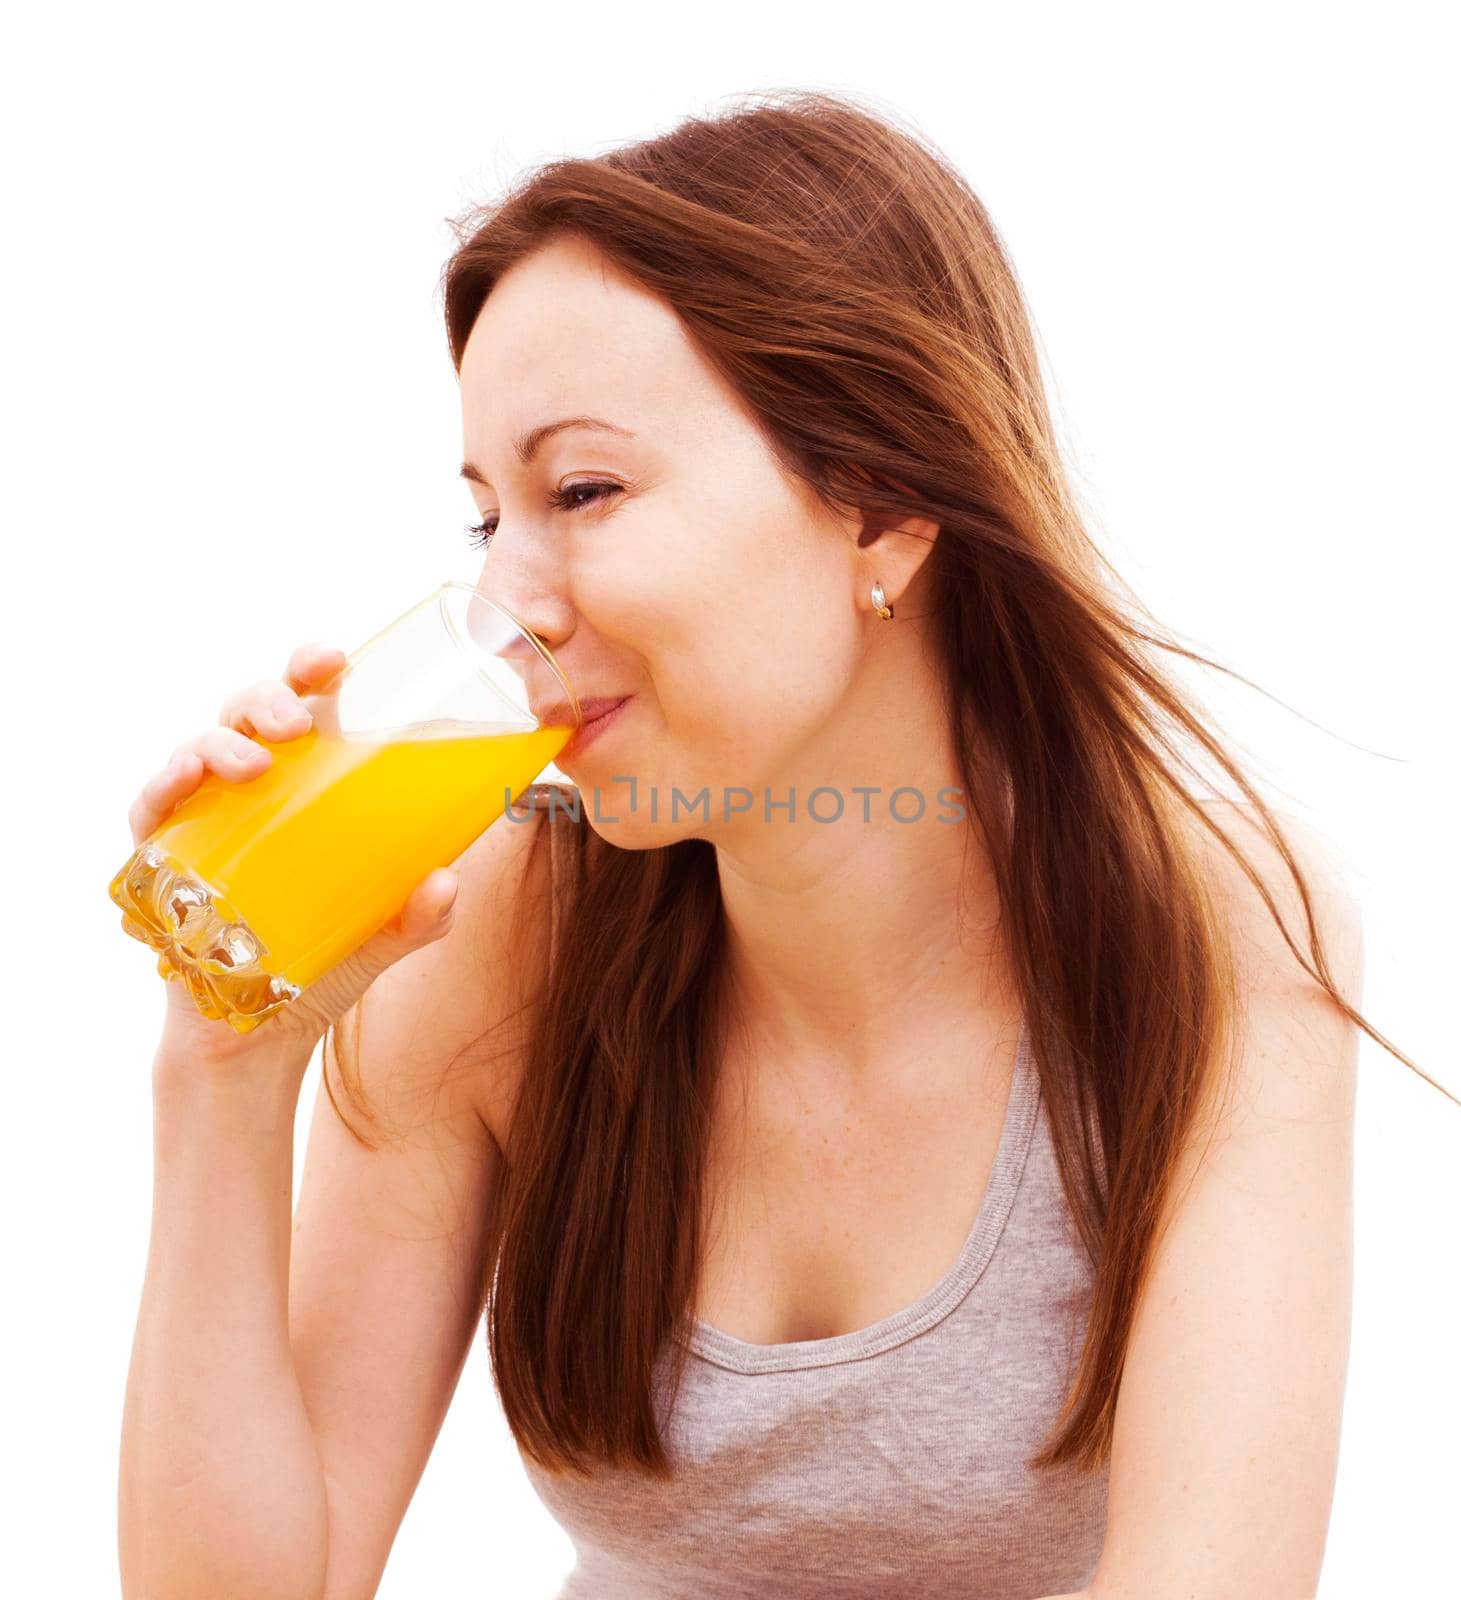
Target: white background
<point x="232" y="425"/>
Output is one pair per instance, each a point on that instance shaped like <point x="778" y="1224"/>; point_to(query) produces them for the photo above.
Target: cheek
<point x="745" y="671"/>
<point x="736" y="614"/>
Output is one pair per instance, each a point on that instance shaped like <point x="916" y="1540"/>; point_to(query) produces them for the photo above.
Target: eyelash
<point x="479" y="534"/>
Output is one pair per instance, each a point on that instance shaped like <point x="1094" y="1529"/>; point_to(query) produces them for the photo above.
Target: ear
<point x="893" y="547"/>
<point x="876" y="523"/>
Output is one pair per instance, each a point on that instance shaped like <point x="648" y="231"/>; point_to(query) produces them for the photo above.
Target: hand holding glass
<point x="251" y="891"/>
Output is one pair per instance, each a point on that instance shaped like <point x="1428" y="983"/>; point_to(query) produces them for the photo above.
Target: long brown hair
<point x="847" y="281"/>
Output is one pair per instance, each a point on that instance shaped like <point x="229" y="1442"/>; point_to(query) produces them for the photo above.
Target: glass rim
<point x="472" y="653"/>
<point x="462" y="586"/>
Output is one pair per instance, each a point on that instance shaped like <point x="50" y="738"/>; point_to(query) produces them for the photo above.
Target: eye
<point x="480" y="533"/>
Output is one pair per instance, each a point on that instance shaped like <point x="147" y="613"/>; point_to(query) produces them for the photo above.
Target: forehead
<point x="564" y="331"/>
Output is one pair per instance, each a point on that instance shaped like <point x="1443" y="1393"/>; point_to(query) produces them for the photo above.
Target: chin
<point x="635" y="816"/>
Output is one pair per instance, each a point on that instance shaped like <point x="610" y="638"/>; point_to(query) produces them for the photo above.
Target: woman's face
<point x="682" y="568"/>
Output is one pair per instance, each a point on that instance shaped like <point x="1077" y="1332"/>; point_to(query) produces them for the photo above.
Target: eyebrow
<point x="526" y="445"/>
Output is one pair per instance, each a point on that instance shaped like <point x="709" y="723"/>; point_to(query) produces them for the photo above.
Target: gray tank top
<point x="887" y="1461"/>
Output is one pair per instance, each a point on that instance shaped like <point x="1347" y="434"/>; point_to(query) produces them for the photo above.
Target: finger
<point x="162" y="792"/>
<point x="231" y="754"/>
<point x="428" y="910"/>
<point x="268" y="709"/>
<point x="426" y="915"/>
<point x="311" y="665"/>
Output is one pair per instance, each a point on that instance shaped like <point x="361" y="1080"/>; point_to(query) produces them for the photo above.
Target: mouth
<point x="598" y="713"/>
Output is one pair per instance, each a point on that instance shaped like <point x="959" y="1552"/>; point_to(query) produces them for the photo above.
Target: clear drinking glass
<point x="432" y="728"/>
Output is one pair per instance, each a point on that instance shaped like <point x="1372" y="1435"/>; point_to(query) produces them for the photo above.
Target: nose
<point x="531" y="592"/>
<point x="524" y="573"/>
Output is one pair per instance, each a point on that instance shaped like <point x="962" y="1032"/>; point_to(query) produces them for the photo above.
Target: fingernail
<point x="287" y="709"/>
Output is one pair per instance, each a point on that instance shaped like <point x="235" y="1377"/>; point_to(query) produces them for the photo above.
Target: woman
<point x="827" y="1162"/>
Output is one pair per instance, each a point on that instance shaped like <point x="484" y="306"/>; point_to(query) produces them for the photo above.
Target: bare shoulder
<point x="1298" y="1061"/>
<point x="1258" y="943"/>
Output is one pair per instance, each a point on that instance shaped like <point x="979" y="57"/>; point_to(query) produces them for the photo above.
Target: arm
<point x="1227" y="1424"/>
<point x="290" y="1377"/>
<point x="390" y="1254"/>
<point x="220" y="1489"/>
<point x="390" y="1258"/>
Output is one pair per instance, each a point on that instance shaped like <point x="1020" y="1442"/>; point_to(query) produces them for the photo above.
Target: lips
<point x="560" y="712"/>
<point x="598" y="710"/>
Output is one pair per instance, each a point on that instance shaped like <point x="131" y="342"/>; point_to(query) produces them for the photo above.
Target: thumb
<point x="425" y="917"/>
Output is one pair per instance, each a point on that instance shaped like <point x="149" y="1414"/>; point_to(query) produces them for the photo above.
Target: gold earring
<point x="880" y="601"/>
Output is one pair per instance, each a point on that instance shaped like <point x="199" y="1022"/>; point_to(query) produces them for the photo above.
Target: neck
<point x="848" y="940"/>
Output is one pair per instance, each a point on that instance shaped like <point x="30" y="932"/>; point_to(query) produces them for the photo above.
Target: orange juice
<point x="250" y="891"/>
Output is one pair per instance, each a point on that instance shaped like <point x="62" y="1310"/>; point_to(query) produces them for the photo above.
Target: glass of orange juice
<point x="432" y="728"/>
